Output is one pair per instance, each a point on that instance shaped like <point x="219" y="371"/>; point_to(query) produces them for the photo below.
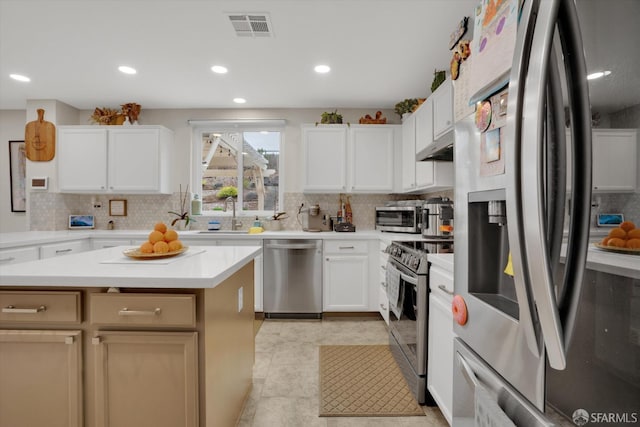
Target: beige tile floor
<point x="285" y="375"/>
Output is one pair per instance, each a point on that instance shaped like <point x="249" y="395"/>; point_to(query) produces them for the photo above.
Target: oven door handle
<point x="403" y="276"/>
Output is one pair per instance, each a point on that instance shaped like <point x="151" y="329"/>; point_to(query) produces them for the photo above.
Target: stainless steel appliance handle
<point x="576" y="70"/>
<point x="513" y="133"/>
<point x="468" y="373"/>
<point x="291" y="246"/>
<point x="553" y="326"/>
<point x="407" y="278"/>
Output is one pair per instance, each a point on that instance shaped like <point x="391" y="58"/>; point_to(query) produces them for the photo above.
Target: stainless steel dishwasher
<point x="292" y="278"/>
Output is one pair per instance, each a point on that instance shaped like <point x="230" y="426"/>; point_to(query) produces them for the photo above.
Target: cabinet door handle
<point x="384" y="267"/>
<point x="443" y="288"/>
<point x="62" y="251"/>
<point x="11" y="258"/>
<point x="126" y="312"/>
<point x="13" y="310"/>
<point x="383" y="307"/>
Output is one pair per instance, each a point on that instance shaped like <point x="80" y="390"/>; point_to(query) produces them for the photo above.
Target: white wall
<point x="11" y="129"/>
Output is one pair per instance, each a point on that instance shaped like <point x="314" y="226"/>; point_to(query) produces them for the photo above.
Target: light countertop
<point x="444" y="261"/>
<point x="198" y="267"/>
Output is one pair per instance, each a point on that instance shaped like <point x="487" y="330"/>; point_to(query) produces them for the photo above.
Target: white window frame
<point x="201" y="127"/>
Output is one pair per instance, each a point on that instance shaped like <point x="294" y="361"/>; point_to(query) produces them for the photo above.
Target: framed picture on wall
<point x="18" y="176"/>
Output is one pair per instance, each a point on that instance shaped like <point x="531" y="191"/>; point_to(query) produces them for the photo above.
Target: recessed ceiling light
<point x="598" y="75"/>
<point x="239" y="100"/>
<point x="322" y="69"/>
<point x="20" y="77"/>
<point x="127" y="70"/>
<point x="219" y="69"/>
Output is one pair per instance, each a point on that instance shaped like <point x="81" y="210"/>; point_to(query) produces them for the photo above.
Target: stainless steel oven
<point x="408" y="292"/>
<point x="399" y="219"/>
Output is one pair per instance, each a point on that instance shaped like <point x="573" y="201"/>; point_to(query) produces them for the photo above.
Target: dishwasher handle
<point x="291" y="246"/>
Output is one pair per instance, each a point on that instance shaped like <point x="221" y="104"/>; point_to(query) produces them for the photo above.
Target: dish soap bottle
<point x="196" y="205"/>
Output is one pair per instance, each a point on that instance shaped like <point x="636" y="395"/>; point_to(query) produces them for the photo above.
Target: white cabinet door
<point x="371" y="157"/>
<point x="64" y="248"/>
<point x="440" y="345"/>
<point x="424" y="125"/>
<point x="14" y="256"/>
<point x="443" y="110"/>
<point x="346" y="283"/>
<point x="614" y="160"/>
<point x="134" y="160"/>
<point x="82" y="159"/>
<point x="325" y="158"/>
<point x="409" y="163"/>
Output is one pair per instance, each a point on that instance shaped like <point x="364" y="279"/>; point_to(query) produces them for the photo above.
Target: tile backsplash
<point x="50" y="211"/>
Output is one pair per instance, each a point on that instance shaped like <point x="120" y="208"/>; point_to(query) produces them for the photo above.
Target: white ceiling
<point x="380" y="52"/>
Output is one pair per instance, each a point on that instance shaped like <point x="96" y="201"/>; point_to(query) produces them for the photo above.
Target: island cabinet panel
<point x="29" y="307"/>
<point x="143" y="310"/>
<point x="146" y="379"/>
<point x="41" y="378"/>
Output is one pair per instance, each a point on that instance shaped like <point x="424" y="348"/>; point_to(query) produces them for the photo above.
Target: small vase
<point x="181" y="225"/>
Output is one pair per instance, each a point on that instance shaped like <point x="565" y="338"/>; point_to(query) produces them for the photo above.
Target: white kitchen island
<point x="105" y="340"/>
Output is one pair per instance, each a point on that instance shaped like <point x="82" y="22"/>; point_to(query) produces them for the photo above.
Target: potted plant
<point x="331" y="118"/>
<point x="406" y="106"/>
<point x="183" y="219"/>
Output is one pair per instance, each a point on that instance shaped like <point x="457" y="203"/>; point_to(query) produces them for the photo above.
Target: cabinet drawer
<point x="346" y="246"/>
<point x="39" y="307"/>
<point x="162" y="310"/>
<point x="58" y="249"/>
<point x="14" y="256"/>
<point x="441" y="282"/>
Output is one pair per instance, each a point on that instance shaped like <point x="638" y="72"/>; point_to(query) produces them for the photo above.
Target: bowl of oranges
<point x="625" y="239"/>
<point x="161" y="243"/>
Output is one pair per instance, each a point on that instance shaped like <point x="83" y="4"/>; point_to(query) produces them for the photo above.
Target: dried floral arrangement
<point x="111" y="116"/>
<point x="368" y="120"/>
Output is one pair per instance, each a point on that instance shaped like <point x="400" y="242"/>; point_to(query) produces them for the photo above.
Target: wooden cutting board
<point x="40" y="139"/>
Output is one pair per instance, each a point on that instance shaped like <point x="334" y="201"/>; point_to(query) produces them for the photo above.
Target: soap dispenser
<point x="196" y="205"/>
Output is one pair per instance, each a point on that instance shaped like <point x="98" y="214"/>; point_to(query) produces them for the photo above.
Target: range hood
<point x="438" y="150"/>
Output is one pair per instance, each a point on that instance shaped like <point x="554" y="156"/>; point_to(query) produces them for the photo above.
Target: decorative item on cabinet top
<point x="110" y="116"/>
<point x="368" y="120"/>
<point x="330" y="118"/>
<point x="409" y="105"/>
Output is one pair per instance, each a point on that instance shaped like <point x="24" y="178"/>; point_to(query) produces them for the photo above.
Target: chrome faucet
<point x="235" y="224"/>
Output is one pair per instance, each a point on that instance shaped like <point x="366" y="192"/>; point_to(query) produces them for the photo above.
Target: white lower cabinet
<point x="383" y="299"/>
<point x="440" y="343"/>
<point x="64" y="248"/>
<point x="109" y="243"/>
<point x="14" y="256"/>
<point x="346" y="275"/>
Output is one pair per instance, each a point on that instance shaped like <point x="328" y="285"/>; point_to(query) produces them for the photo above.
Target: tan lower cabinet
<point x="146" y="379"/>
<point x="40" y="378"/>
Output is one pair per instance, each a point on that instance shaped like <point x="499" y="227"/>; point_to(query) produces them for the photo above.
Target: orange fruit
<point x="155" y="236"/>
<point x="634" y="234"/>
<point x="161" y="227"/>
<point x="605" y="241"/>
<point x="618" y="232"/>
<point x="161" y="247"/>
<point x="146" y="248"/>
<point x="175" y="245"/>
<point x="170" y="235"/>
<point x="633" y="243"/>
<point x="618" y="243"/>
<point x="627" y="226"/>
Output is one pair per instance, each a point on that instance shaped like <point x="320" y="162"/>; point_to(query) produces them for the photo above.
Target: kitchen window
<point x="243" y="161"/>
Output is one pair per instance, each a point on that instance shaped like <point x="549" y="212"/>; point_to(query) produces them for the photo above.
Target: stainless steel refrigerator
<point x="520" y="306"/>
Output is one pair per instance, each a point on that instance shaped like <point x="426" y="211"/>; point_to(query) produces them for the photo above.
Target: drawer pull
<point x="346" y="247"/>
<point x="12" y="309"/>
<point x="62" y="251"/>
<point x="11" y="258"/>
<point x="443" y="288"/>
<point x="126" y="312"/>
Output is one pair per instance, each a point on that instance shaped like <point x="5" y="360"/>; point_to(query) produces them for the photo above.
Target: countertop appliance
<point x="399" y="219"/>
<point x="408" y="289"/>
<point x="520" y="334"/>
<point x="292" y="278"/>
<point x="315" y="219"/>
<point x="437" y="218"/>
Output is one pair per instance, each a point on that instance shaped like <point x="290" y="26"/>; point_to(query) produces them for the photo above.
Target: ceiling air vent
<point x="251" y="25"/>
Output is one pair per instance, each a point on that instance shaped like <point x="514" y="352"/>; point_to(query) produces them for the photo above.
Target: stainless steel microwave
<point x="399" y="219"/>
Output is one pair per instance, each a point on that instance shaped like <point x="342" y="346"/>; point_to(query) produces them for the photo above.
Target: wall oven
<point x="399" y="219"/>
<point x="408" y="292"/>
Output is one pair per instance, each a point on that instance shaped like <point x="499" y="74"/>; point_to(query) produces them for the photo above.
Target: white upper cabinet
<point x="371" y="157"/>
<point x="408" y="172"/>
<point x="114" y="160"/>
<point x="615" y="160"/>
<point x="443" y="111"/>
<point x="424" y="125"/>
<point x="341" y="158"/>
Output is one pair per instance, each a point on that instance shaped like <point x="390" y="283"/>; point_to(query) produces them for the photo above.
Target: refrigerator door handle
<point x="578" y="89"/>
<point x="522" y="52"/>
<point x="556" y="328"/>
